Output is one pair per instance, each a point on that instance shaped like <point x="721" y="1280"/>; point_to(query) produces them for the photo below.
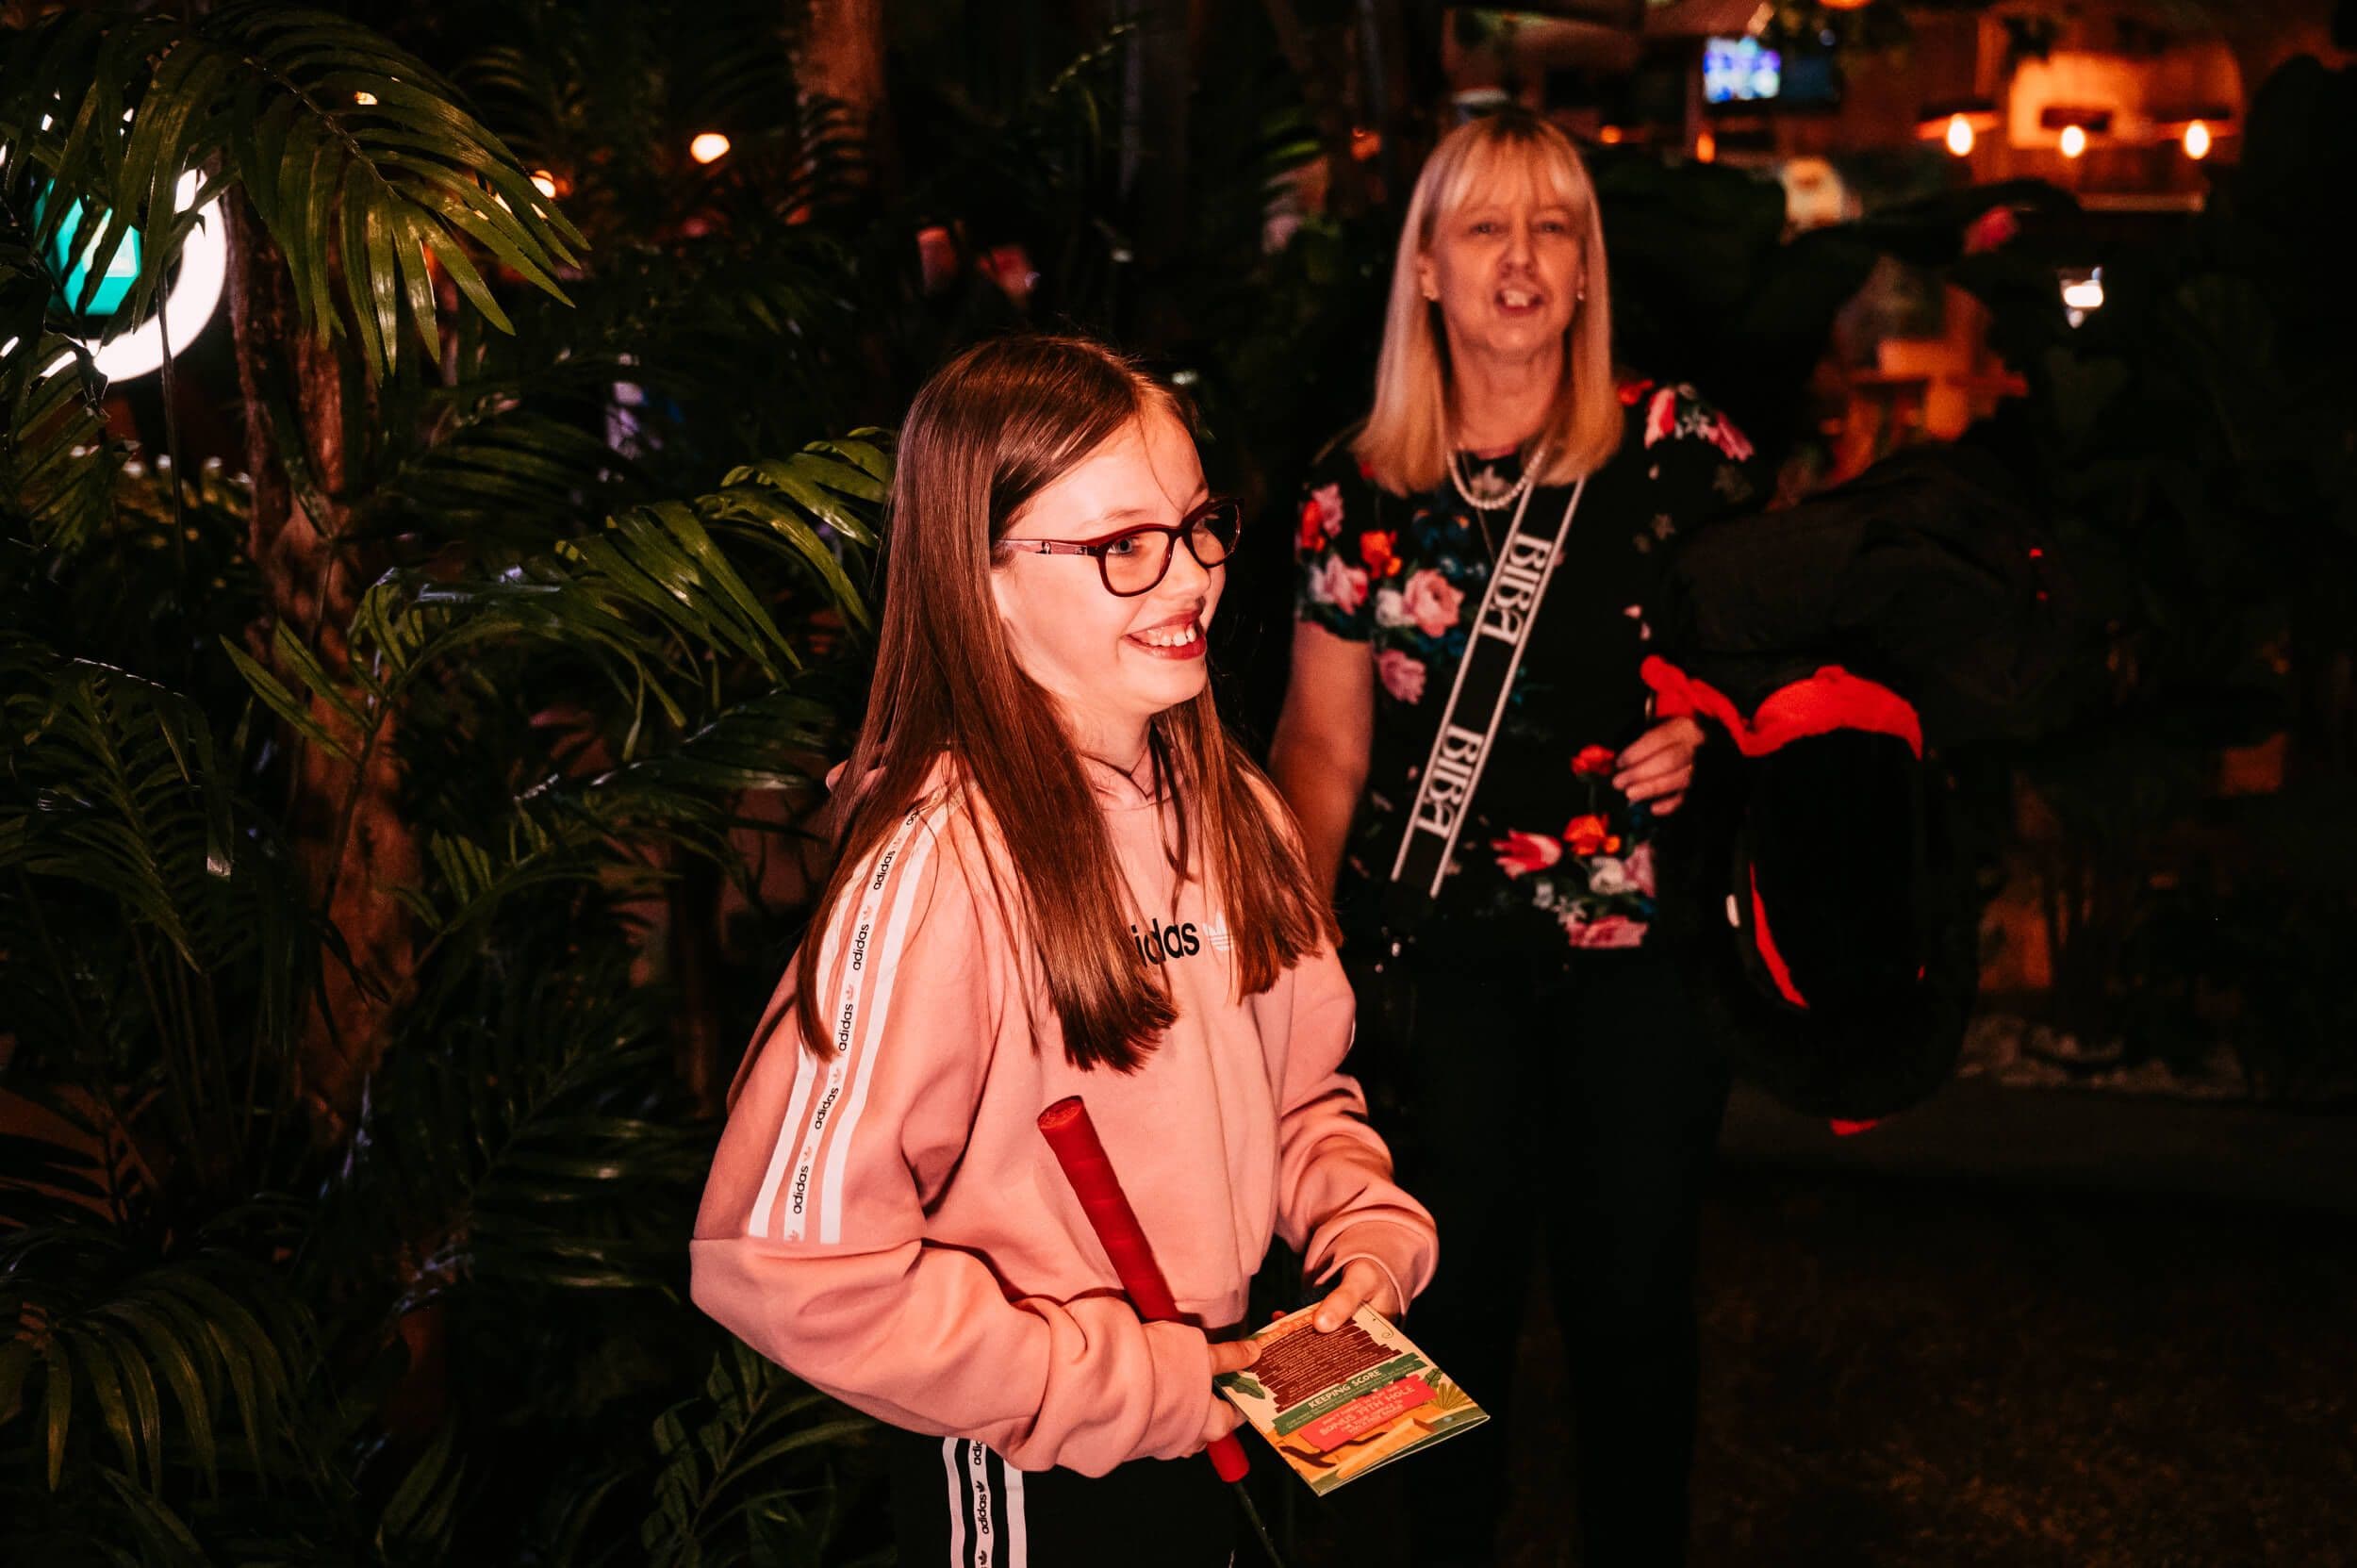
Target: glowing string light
<point x="709" y="147"/>
<point x="2075" y="141"/>
<point x="2196" y="141"/>
<point x="1959" y="135"/>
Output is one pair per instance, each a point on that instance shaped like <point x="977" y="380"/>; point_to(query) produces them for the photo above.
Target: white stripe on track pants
<point x="957" y="1503"/>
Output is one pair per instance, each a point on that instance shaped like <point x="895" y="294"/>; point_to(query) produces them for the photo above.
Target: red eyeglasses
<point x="1135" y="560"/>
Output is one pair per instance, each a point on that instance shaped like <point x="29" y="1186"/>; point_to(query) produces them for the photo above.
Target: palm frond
<point x="353" y="152"/>
<point x="416" y="1524"/>
<point x="764" y="742"/>
<point x="164" y="1538"/>
<point x="113" y="787"/>
<point x="57" y="465"/>
<point x="745" y="1469"/>
<point x="651" y="599"/>
<point x="524" y="1158"/>
<point x="495" y="474"/>
<point x="161" y="1353"/>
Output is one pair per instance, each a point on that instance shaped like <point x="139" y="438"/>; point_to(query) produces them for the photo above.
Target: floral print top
<point x="1550" y="853"/>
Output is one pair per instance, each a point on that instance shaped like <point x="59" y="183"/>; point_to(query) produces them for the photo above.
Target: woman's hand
<point x="1659" y="764"/>
<point x="1361" y="1284"/>
<point x="1222" y="1418"/>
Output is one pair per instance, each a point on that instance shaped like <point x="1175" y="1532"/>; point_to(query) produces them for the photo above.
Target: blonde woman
<point x="1469" y="750"/>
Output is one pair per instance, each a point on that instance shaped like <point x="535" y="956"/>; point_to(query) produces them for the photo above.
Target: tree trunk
<point x="842" y="58"/>
<point x="344" y="818"/>
<point x="693" y="935"/>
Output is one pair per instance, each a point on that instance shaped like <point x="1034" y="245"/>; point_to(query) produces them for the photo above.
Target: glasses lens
<point x="1135" y="562"/>
<point x="1214" y="532"/>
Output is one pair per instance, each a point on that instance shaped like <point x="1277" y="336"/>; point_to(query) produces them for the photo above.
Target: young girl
<point x="1058" y="876"/>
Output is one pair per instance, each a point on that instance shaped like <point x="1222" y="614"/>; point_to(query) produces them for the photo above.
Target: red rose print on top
<point x="1594" y="762"/>
<point x="1590" y="835"/>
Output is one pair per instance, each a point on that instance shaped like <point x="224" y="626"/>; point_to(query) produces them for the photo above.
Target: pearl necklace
<point x="1495" y="500"/>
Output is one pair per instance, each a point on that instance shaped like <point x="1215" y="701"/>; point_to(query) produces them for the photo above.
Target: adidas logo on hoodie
<point x="1161" y="944"/>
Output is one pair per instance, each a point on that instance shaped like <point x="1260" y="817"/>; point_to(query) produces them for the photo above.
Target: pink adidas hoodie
<point x="888" y="1224"/>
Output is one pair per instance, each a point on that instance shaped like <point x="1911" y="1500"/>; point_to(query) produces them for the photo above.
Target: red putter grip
<point x="1066" y="1127"/>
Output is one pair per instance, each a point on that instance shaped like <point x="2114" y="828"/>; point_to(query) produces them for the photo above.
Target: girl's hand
<point x="1223" y="1417"/>
<point x="1659" y="764"/>
<point x="1361" y="1284"/>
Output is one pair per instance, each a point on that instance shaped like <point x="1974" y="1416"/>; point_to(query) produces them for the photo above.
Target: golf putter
<point x="1069" y="1131"/>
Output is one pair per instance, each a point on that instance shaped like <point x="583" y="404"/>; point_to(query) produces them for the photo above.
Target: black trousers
<point x="1584" y="1113"/>
<point x="958" y="1504"/>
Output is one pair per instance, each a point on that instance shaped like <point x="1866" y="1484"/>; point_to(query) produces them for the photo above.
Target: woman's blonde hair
<point x="1405" y="443"/>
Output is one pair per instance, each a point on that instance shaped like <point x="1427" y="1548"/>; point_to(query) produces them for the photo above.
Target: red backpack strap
<point x="1831" y="699"/>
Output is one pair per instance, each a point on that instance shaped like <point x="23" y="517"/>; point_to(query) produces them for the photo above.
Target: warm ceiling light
<point x="709" y="147"/>
<point x="1959" y="135"/>
<point x="2197" y="140"/>
<point x="2075" y="141"/>
<point x="544" y="183"/>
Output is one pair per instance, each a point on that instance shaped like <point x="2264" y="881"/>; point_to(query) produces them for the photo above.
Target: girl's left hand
<point x="1361" y="1283"/>
<point x="1659" y="764"/>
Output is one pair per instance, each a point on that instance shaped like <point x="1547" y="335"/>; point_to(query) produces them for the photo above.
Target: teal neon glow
<point x="122" y="270"/>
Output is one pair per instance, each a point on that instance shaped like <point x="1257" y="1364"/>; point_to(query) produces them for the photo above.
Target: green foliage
<point x="456" y="1327"/>
<point x="56" y="460"/>
<point x="352" y="152"/>
<point x="744" y="1482"/>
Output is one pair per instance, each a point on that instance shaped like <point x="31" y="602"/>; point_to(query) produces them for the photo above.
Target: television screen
<point x="1739" y="71"/>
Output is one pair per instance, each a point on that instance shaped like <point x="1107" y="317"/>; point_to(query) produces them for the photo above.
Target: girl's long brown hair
<point x="992" y="429"/>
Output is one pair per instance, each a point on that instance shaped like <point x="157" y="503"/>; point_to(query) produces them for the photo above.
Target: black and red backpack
<point x="1813" y="885"/>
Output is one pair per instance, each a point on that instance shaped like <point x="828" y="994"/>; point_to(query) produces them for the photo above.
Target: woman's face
<point x="1507" y="269"/>
<point x="1112" y="662"/>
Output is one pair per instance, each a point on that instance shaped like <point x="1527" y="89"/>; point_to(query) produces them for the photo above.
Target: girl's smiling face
<point x="1112" y="663"/>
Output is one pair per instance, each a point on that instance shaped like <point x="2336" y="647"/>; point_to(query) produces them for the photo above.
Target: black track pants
<point x="957" y="1504"/>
